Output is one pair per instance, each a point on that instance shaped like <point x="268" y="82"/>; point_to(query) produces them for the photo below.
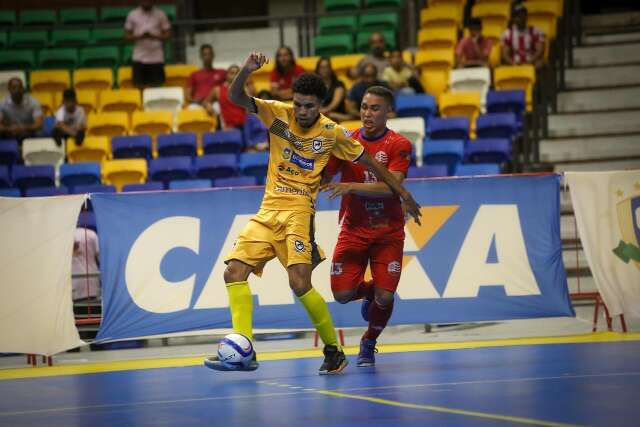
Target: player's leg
<point x="240" y="298"/>
<point x="349" y="263"/>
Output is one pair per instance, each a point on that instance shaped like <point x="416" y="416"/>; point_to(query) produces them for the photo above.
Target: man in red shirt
<point x="473" y="50"/>
<point x="202" y="82"/>
<point x="372" y="220"/>
<point x="522" y="44"/>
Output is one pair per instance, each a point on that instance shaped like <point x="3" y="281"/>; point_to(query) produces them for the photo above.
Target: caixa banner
<point x="488" y="249"/>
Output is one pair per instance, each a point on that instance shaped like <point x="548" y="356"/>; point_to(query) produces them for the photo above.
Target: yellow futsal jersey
<point x="298" y="155"/>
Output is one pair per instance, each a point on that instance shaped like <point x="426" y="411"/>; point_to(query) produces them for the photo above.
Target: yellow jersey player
<point x="301" y="141"/>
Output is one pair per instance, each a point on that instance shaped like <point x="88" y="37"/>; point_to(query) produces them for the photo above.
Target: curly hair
<point x="310" y="84"/>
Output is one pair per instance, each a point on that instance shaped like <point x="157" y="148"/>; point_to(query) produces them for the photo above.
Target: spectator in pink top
<point x="522" y="44"/>
<point x="473" y="50"/>
<point x="286" y="71"/>
<point x="85" y="260"/>
<point x="202" y="82"/>
<point x="148" y="27"/>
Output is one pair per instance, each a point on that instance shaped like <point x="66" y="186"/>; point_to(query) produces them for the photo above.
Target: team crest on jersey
<point x="317" y="145"/>
<point x="346" y="132"/>
<point x="382" y="157"/>
<point x="328" y="125"/>
<point x="286" y="153"/>
<point x="336" y="268"/>
<point x="394" y="267"/>
<point x="299" y="245"/>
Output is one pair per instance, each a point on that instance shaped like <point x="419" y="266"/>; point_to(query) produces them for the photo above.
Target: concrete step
<point x="577" y="149"/>
<point x="609" y="165"/>
<point x="595" y="39"/>
<point x="587" y="284"/>
<point x="626" y="19"/>
<point x="621" y="75"/>
<point x="606" y="55"/>
<point x="598" y="100"/>
<point x="569" y="259"/>
<point x="588" y="124"/>
<point x="567" y="227"/>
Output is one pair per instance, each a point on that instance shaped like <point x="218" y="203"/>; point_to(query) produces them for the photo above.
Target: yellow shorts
<point x="288" y="235"/>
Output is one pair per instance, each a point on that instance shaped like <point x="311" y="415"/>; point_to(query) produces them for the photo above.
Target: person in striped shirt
<point x="522" y="44"/>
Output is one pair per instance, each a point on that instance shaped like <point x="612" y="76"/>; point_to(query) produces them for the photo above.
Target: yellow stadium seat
<point x="178" y="74"/>
<point x="495" y="56"/>
<point x="152" y="122"/>
<point x="516" y="77"/>
<point x="196" y="121"/>
<point x="557" y="8"/>
<point x="438" y="38"/>
<point x="127" y="100"/>
<point x="308" y="63"/>
<point x="88" y="99"/>
<point x="492" y="13"/>
<point x="50" y="80"/>
<point x="120" y="172"/>
<point x="341" y="64"/>
<point x="351" y="124"/>
<point x="125" y="78"/>
<point x="407" y="56"/>
<point x="434" y="66"/>
<point x="493" y="31"/>
<point x="47" y="101"/>
<point x="458" y="3"/>
<point x="493" y="1"/>
<point x="93" y="149"/>
<point x="441" y="16"/>
<point x="467" y="104"/>
<point x="93" y="78"/>
<point x="108" y="124"/>
<point x="262" y="77"/>
<point x="548" y="25"/>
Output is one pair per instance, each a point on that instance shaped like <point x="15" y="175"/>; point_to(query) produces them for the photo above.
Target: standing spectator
<point x="70" y="119"/>
<point x="522" y="44"/>
<point x="354" y="98"/>
<point x="85" y="260"/>
<point x="203" y="81"/>
<point x="232" y="115"/>
<point x="20" y="113"/>
<point x="377" y="45"/>
<point x="148" y="27"/>
<point x="473" y="50"/>
<point x="400" y="76"/>
<point x="284" y="74"/>
<point x="333" y="105"/>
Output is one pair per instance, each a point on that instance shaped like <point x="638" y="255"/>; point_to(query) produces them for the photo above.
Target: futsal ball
<point x="235" y="350"/>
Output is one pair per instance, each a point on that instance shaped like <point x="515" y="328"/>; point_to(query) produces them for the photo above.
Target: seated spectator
<point x="376" y="57"/>
<point x="473" y="50"/>
<point x="522" y="44"/>
<point x="232" y="115"/>
<point x="20" y="113"/>
<point x="354" y="98"/>
<point x="400" y="76"/>
<point x="203" y="81"/>
<point x="284" y="74"/>
<point x="70" y="119"/>
<point x="85" y="260"/>
<point x="333" y="105"/>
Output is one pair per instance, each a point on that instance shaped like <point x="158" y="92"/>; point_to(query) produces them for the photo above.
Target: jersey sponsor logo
<point x="394" y="267"/>
<point x="303" y="162"/>
<point x="374" y="206"/>
<point x="382" y="157"/>
<point x="291" y="190"/>
<point x="286" y="153"/>
<point x="299" y="245"/>
<point x="336" y="269"/>
<point x="317" y="145"/>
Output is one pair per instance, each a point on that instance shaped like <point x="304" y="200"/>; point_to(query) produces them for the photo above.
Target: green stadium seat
<point x="8" y="18"/>
<point x="28" y="39"/>
<point x="66" y="58"/>
<point x="17" y="59"/>
<point x="103" y="56"/>
<point x="333" y="44"/>
<point x="114" y="14"/>
<point x="38" y="17"/>
<point x="79" y="15"/>
<point x="70" y="37"/>
<point x="338" y="24"/>
<point x="108" y="35"/>
<point x="382" y="3"/>
<point x="3" y="39"/>
<point x="170" y="10"/>
<point x="127" y="54"/>
<point x="379" y="22"/>
<point x="362" y="40"/>
<point x="338" y="5"/>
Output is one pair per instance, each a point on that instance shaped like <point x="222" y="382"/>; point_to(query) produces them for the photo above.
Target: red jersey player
<point x="372" y="221"/>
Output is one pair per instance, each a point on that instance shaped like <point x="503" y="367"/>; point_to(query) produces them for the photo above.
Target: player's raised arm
<point x="237" y="95"/>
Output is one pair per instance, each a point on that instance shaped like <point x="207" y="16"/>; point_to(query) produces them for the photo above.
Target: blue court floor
<point x="595" y="384"/>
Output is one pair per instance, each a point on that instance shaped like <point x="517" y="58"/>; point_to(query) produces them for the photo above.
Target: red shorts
<point x="354" y="252"/>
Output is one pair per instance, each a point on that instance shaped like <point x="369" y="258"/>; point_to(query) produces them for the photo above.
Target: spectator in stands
<point x="473" y="50"/>
<point x="333" y="106"/>
<point x="286" y="72"/>
<point x="400" y="76"/>
<point x="522" y="44"/>
<point x="201" y="83"/>
<point x="70" y="119"/>
<point x="354" y="98"/>
<point x="377" y="45"/>
<point x="85" y="260"/>
<point x="148" y="27"/>
<point x="232" y="115"/>
<point x="20" y="113"/>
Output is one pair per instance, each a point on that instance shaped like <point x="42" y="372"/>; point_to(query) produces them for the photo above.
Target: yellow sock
<point x="241" y="306"/>
<point x="320" y="316"/>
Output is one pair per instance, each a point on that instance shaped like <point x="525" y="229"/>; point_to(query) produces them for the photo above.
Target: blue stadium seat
<point x="254" y="131"/>
<point x="177" y="144"/>
<point x="134" y="146"/>
<point x="489" y="150"/>
<point x="235" y="181"/>
<point x="224" y="141"/>
<point x="93" y="188"/>
<point x="87" y="173"/>
<point x="8" y="152"/>
<point x="478" y="169"/>
<point x="507" y="101"/>
<point x="419" y="105"/>
<point x="33" y="176"/>
<point x="496" y="125"/>
<point x="167" y="169"/>
<point x="449" y="128"/>
<point x="87" y="219"/>
<point x="448" y="152"/>
<point x="46" y="191"/>
<point x="9" y="192"/>
<point x="189" y="184"/>
<point x="5" y="179"/>
<point x="428" y="171"/>
<point x="214" y="166"/>
<point x="147" y="186"/>
<point x="255" y="164"/>
<point x="47" y="125"/>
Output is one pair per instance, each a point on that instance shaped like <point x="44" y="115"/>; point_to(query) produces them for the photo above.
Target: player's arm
<point x="367" y="189"/>
<point x="237" y="94"/>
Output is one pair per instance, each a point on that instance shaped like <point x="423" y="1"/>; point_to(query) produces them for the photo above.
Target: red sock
<point x="378" y="318"/>
<point x="364" y="290"/>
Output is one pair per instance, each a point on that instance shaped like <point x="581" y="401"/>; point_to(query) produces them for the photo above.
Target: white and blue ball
<point x="235" y="350"/>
